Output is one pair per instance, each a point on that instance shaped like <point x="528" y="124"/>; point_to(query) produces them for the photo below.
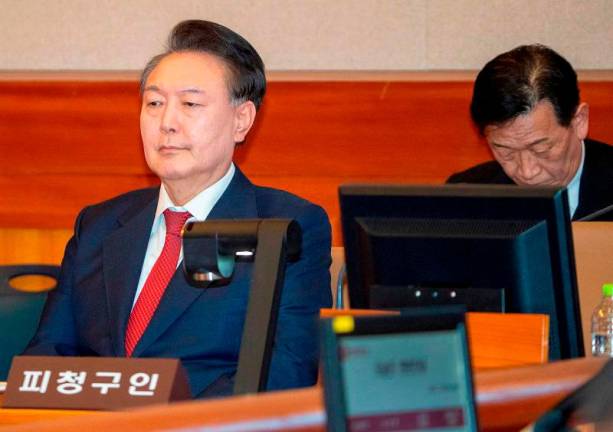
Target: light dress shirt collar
<point x="573" y="187"/>
<point x="200" y="206"/>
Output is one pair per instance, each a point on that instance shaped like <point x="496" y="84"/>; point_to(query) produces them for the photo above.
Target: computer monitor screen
<point x="398" y="373"/>
<point x="488" y="247"/>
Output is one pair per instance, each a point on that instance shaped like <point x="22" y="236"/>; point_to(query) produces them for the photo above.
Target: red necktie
<point x="158" y="279"/>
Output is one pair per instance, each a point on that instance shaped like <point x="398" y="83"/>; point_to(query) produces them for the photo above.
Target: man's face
<point x="534" y="149"/>
<point x="188" y="123"/>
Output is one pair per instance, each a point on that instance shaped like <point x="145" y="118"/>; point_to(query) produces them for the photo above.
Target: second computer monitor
<point x="489" y="247"/>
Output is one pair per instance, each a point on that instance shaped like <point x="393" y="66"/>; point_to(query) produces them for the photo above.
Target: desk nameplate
<point x="93" y="383"/>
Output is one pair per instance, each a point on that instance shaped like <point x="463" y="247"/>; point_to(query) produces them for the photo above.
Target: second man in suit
<point x="526" y="104"/>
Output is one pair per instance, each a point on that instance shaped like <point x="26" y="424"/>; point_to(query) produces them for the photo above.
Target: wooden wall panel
<point x="33" y="246"/>
<point x="66" y="144"/>
<point x="70" y="128"/>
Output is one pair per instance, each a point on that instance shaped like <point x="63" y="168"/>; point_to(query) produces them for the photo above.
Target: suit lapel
<point x="237" y="202"/>
<point x="123" y="255"/>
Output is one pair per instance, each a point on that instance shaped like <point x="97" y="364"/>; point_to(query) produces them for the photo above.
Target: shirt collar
<point x="201" y="205"/>
<point x="573" y="187"/>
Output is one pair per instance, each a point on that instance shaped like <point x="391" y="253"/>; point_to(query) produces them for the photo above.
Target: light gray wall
<point x="307" y="34"/>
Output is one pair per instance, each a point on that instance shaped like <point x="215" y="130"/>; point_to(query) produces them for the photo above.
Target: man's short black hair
<point x="247" y="80"/>
<point x="514" y="82"/>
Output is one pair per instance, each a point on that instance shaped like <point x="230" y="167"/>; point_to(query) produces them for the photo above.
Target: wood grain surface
<point x="67" y="144"/>
<point x="507" y="400"/>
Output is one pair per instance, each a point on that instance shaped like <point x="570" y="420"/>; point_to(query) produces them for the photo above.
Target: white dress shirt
<point x="200" y="206"/>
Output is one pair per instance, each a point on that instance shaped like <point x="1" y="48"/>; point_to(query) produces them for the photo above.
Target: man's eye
<point x="504" y="153"/>
<point x="154" y="103"/>
<point x="541" y="150"/>
<point x="190" y="104"/>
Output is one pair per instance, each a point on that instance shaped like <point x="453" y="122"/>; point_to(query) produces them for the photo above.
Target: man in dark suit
<point x="526" y="104"/>
<point x="120" y="292"/>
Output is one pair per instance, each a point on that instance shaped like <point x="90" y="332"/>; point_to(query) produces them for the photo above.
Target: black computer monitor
<point x="489" y="247"/>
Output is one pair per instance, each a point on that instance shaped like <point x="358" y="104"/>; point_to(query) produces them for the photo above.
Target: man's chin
<point x="170" y="176"/>
<point x="543" y="183"/>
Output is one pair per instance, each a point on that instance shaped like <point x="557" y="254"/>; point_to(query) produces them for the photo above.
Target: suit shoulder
<point x="128" y="198"/>
<point x="487" y="173"/>
<point x="114" y="208"/>
<point x="599" y="148"/>
<point x="598" y="163"/>
<point x="597" y="168"/>
<point x="279" y="203"/>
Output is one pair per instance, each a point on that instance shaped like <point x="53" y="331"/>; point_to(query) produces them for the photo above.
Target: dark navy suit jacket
<point x="87" y="314"/>
<point x="595" y="189"/>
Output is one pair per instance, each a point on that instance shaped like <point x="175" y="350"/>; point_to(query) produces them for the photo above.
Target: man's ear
<point x="243" y="120"/>
<point x="581" y="120"/>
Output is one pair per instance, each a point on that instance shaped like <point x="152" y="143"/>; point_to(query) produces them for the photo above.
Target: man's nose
<point x="169" y="123"/>
<point x="528" y="165"/>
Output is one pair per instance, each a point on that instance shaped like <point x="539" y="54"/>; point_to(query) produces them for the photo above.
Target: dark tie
<point x="158" y="279"/>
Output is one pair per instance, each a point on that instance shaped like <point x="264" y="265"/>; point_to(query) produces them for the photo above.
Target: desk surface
<point x="26" y="416"/>
<point x="507" y="400"/>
